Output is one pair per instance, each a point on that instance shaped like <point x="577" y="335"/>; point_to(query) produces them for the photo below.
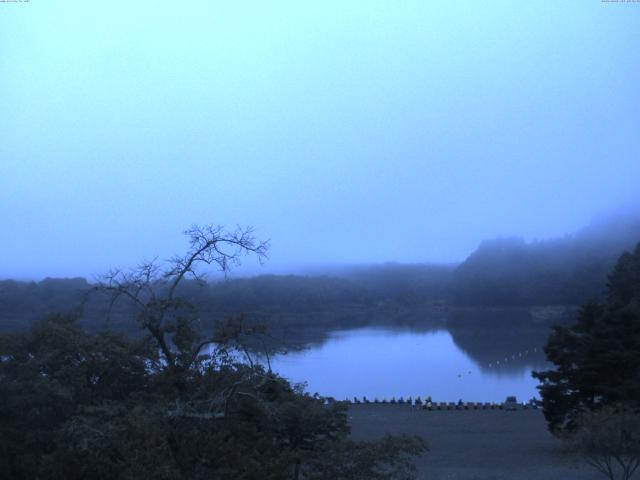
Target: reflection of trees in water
<point x="502" y="342"/>
<point x="499" y="341"/>
<point x="296" y="332"/>
<point x="502" y="351"/>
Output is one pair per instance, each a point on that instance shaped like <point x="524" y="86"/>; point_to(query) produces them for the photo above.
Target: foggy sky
<point x="342" y="131"/>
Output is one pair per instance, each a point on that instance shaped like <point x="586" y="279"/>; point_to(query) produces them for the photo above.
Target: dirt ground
<point x="475" y="444"/>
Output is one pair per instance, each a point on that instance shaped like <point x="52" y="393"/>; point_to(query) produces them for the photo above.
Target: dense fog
<point x="319" y="240"/>
<point x="345" y="134"/>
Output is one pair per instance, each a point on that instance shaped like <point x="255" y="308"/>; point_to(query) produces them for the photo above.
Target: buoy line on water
<point x="498" y="363"/>
<point x="512" y="357"/>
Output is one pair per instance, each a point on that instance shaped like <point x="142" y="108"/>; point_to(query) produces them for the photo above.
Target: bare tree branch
<point x="152" y="287"/>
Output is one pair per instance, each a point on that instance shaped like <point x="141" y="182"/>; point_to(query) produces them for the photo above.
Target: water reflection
<point x="502" y="351"/>
<point x="473" y="364"/>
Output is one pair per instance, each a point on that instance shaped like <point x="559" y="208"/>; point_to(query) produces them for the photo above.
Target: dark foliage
<point x="51" y="372"/>
<point x="597" y="360"/>
<point x="176" y="404"/>
<point x="22" y="303"/>
<point x="75" y="405"/>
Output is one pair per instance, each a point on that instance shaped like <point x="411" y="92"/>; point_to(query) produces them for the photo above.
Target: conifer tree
<point x="597" y="360"/>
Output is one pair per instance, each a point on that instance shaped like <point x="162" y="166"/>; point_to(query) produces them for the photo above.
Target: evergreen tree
<point x="597" y="360"/>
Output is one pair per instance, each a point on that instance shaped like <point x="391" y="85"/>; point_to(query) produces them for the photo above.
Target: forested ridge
<point x="179" y="401"/>
<point x="500" y="272"/>
<point x="569" y="270"/>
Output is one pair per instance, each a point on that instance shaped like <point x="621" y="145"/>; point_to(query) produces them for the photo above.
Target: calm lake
<point x="469" y="364"/>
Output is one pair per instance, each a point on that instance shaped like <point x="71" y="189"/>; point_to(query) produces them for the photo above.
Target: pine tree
<point x="597" y="360"/>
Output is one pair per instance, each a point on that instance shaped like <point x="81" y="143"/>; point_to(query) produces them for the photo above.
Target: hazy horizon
<point x="345" y="133"/>
<point x="250" y="268"/>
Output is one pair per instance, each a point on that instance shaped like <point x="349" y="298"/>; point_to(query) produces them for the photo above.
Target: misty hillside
<point x="569" y="270"/>
<point x="501" y="272"/>
<point x="403" y="284"/>
<point x="356" y="296"/>
<point x="21" y="303"/>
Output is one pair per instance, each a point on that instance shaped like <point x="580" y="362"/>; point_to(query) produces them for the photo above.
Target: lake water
<point x="468" y="364"/>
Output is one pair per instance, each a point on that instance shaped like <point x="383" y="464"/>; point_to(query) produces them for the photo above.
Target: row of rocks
<point x="428" y="404"/>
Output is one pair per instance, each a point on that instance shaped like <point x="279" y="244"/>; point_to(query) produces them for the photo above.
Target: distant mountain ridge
<point x="503" y="272"/>
<point x="568" y="270"/>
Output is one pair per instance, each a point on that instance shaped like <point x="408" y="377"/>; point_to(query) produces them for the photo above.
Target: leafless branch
<point x="152" y="287"/>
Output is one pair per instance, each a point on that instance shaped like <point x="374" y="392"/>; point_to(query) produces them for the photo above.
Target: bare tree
<point x="153" y="288"/>
<point x="609" y="440"/>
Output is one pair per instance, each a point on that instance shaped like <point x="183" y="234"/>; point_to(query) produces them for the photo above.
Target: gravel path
<point x="475" y="444"/>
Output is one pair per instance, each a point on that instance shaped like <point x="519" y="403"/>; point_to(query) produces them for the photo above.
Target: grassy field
<point x="475" y="444"/>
